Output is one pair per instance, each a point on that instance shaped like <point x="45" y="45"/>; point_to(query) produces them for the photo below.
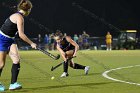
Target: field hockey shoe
<point x="64" y="74"/>
<point x="86" y="69"/>
<point x="2" y="88"/>
<point x="15" y="86"/>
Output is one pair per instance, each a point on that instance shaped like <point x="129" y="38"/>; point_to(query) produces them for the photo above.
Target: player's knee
<point x="17" y="61"/>
<point x="71" y="65"/>
<point x="2" y="65"/>
<point x="69" y="53"/>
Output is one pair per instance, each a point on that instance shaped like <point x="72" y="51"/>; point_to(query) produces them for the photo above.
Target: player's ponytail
<point x="25" y="5"/>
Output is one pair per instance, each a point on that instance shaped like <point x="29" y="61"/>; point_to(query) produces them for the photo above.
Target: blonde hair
<point x="24" y="5"/>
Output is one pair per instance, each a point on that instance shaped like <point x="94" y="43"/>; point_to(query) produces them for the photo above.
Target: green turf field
<point x="35" y="74"/>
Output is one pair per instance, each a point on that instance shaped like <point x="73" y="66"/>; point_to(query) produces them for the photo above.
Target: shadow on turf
<point x="90" y="74"/>
<point x="88" y="85"/>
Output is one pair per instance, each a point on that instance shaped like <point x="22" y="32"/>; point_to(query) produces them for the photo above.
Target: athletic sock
<point x="78" y="66"/>
<point x="0" y="71"/>
<point x="65" y="67"/>
<point x="15" y="71"/>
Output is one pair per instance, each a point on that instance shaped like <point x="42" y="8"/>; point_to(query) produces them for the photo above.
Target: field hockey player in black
<point x="68" y="49"/>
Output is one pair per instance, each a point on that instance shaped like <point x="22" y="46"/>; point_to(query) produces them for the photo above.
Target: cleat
<point x="2" y="88"/>
<point x="64" y="74"/>
<point x="86" y="69"/>
<point x="15" y="86"/>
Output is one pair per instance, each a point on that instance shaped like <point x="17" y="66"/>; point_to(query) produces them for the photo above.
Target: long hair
<point x="59" y="33"/>
<point x="24" y="5"/>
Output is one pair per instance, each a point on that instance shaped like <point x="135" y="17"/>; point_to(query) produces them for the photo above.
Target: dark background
<point x="105" y="15"/>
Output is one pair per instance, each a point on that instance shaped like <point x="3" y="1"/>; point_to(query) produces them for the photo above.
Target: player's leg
<point x="14" y="55"/>
<point x="65" y="64"/>
<point x="2" y="60"/>
<point x="2" y="63"/>
<point x="75" y="65"/>
<point x="107" y="44"/>
<point x="65" y="67"/>
<point x="79" y="66"/>
<point x="110" y="46"/>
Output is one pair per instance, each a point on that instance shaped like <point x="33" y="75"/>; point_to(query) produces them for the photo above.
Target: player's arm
<point x="74" y="44"/>
<point x="110" y="36"/>
<point x="20" y="27"/>
<point x="63" y="54"/>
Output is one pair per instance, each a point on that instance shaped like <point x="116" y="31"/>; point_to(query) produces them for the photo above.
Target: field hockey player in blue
<point x="13" y="25"/>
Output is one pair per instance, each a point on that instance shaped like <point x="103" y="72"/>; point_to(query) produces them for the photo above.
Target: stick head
<point x="57" y="57"/>
<point x="52" y="68"/>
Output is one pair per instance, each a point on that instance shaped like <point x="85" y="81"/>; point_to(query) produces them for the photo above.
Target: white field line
<point x="114" y="79"/>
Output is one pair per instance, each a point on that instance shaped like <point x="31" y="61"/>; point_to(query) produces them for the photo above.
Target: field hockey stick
<point x="48" y="53"/>
<point x="53" y="68"/>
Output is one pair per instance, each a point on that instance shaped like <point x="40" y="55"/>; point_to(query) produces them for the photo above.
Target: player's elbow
<point x="77" y="47"/>
<point x="22" y="36"/>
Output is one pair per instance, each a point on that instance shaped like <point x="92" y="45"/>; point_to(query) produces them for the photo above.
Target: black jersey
<point x="9" y="28"/>
<point x="65" y="45"/>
